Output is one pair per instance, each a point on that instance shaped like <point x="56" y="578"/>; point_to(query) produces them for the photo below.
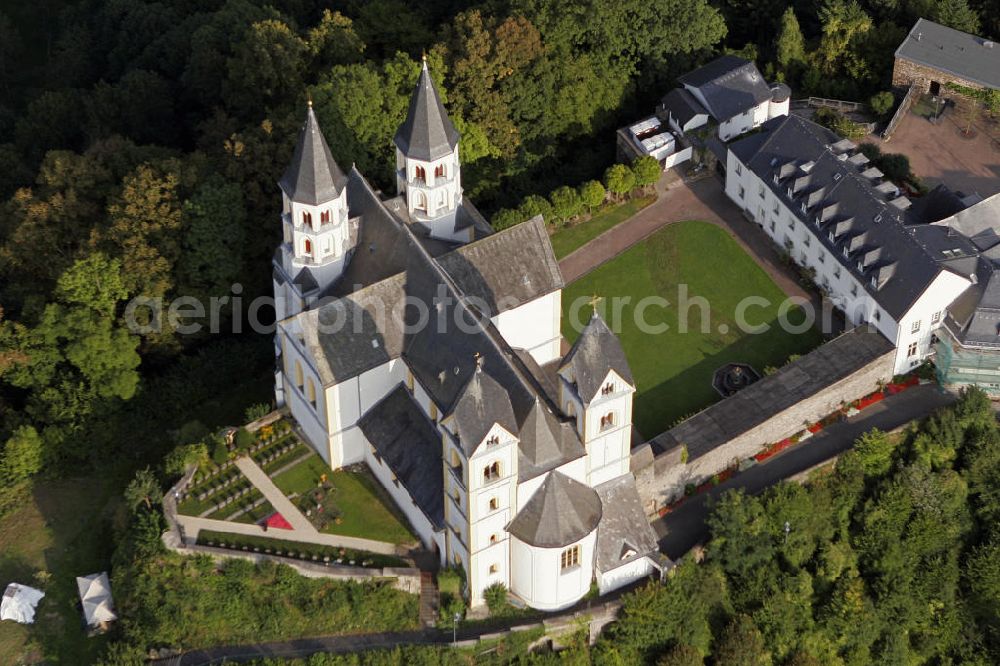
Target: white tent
<point x="19" y="603"/>
<point x="95" y="595"/>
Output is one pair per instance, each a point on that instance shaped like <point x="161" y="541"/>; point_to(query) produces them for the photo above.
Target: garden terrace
<point x="306" y="552"/>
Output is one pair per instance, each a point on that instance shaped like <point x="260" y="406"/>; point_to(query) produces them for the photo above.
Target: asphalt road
<point x="685" y="527"/>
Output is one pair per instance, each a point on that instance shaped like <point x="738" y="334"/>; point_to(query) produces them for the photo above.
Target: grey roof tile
<point x="594" y="353"/>
<point x="481" y="403"/>
<point x="546" y="443"/>
<point x="313" y="176"/>
<point x="624" y="534"/>
<point x="682" y="105"/>
<point x="411" y="447"/>
<point x="952" y="51"/>
<point x="561" y="512"/>
<point x="427" y="134"/>
<point x="730" y="86"/>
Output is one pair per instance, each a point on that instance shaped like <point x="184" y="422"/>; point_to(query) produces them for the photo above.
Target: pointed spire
<point x="427" y="134"/>
<point x="313" y="176"/>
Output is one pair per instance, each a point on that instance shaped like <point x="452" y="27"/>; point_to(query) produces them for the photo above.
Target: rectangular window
<point x="777" y="209"/>
<point x="742" y="192"/>
<point x="494" y="504"/>
<point x="760" y="192"/>
<point x="570" y="558"/>
<point x="854" y="290"/>
<point x="493" y="569"/>
<point x="738" y="169"/>
<point x="935" y="318"/>
<point x="808" y="240"/>
<point x="772" y="225"/>
<point x="915" y="326"/>
<point x="821" y="258"/>
<point x="911" y="350"/>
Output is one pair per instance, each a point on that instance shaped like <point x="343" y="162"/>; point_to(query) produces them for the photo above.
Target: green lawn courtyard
<point x="673" y="370"/>
<point x="567" y="240"/>
<point x="363" y="508"/>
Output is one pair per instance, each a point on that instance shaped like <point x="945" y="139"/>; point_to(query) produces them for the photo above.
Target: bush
<point x="592" y="194"/>
<point x="535" y="205"/>
<point x="505" y="218"/>
<point x="496" y="599"/>
<point x="190" y="454"/>
<point x="837" y="122"/>
<point x="220" y="452"/>
<point x="881" y="103"/>
<point x="244" y="440"/>
<point x="451" y="605"/>
<point x="619" y="179"/>
<point x="566" y="203"/>
<point x="257" y="411"/>
<point x="647" y="171"/>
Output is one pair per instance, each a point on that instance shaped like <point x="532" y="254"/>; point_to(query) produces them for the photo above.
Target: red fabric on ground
<point x="278" y="521"/>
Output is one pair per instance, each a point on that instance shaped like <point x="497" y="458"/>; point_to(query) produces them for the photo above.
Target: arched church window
<point x="491" y="473"/>
<point x="421" y="203"/>
<point x="439" y="171"/>
<point x="608" y="388"/>
<point x="608" y="420"/>
<point x="308" y="246"/>
<point x="298" y="375"/>
<point x="307" y="218"/>
<point x="324" y="217"/>
<point x="493" y="441"/>
<point x="420" y="174"/>
<point x="311" y="392"/>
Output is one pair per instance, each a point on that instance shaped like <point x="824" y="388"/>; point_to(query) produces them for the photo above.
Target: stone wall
<point x="661" y="475"/>
<point x="906" y="72"/>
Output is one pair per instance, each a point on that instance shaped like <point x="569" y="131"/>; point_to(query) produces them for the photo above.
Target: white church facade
<point x="414" y="339"/>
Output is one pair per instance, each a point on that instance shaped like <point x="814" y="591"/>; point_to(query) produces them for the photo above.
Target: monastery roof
<point x="624" y="534"/>
<point x="313" y="176"/>
<point x="594" y="353"/>
<point x="409" y="444"/>
<point x="561" y="512"/>
<point x="427" y="134"/>
<point x="546" y="443"/>
<point x="482" y="403"/>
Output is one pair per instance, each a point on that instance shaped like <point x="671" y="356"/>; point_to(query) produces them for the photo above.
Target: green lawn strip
<point x="295" y="453"/>
<point x="366" y="510"/>
<point x="298" y="549"/>
<point x="565" y="241"/>
<point x="303" y="477"/>
<point x="673" y="370"/>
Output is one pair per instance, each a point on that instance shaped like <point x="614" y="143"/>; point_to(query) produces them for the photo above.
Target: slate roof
<point x="409" y="444"/>
<point x="427" y="134"/>
<point x="482" y="403"/>
<point x="682" y="105"/>
<point x="561" y="512"/>
<point x="845" y="196"/>
<point x="624" y="534"/>
<point x="546" y="443"/>
<point x="953" y="51"/>
<point x="979" y="222"/>
<point x="715" y="425"/>
<point x="313" y="176"/>
<point x="594" y="353"/>
<point x="730" y="86"/>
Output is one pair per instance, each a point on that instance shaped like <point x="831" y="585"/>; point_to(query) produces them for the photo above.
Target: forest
<point x="142" y="140"/>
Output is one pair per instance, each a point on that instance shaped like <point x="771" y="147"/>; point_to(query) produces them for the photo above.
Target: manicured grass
<point x="673" y="369"/>
<point x="572" y="238"/>
<point x="365" y="509"/>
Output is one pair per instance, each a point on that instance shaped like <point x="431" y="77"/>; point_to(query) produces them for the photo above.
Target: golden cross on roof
<point x="594" y="300"/>
<point x="479" y="359"/>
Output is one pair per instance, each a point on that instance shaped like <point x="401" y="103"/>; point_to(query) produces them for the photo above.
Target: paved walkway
<point x="273" y="495"/>
<point x="702" y="200"/>
<point x="685" y="527"/>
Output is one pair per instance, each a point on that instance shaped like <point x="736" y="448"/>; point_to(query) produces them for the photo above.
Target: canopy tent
<point x="278" y="521"/>
<point x="19" y="603"/>
<point x="95" y="596"/>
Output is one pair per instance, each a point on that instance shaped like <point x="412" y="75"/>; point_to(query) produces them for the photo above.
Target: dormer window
<point x="608" y="388"/>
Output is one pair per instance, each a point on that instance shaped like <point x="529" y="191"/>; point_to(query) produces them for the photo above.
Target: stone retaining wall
<point x="662" y="477"/>
<point x="906" y="72"/>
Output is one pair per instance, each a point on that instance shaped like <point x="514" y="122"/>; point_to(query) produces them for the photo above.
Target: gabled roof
<point x="95" y="598"/>
<point x="966" y="56"/>
<point x="730" y="86"/>
<point x="682" y="106"/>
<point x="844" y="196"/>
<point x="313" y="176"/>
<point x="427" y="134"/>
<point x="561" y="512"/>
<point x="482" y="403"/>
<point x="410" y="446"/>
<point x="593" y="355"/>
<point x="546" y="443"/>
<point x="624" y="534"/>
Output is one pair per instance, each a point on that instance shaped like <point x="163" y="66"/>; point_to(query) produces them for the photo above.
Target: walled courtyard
<point x="673" y="369"/>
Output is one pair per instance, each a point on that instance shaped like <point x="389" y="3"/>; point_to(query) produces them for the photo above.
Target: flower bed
<point x="774" y="449"/>
<point x="306" y="552"/>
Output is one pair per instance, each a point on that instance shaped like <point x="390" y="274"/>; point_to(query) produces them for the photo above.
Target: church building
<point x="415" y="340"/>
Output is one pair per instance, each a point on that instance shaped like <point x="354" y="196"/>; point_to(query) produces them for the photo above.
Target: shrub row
<point x="308" y="552"/>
